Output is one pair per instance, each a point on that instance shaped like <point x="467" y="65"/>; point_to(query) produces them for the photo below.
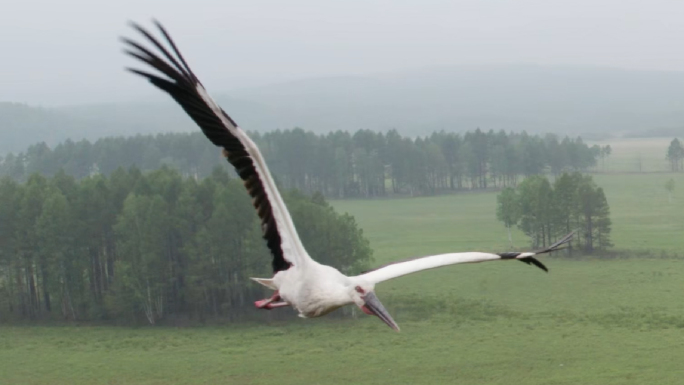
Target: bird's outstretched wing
<point x="397" y="269"/>
<point x="180" y="82"/>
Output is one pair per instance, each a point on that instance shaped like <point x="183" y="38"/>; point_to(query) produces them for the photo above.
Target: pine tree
<point x="536" y="199"/>
<point x="675" y="154"/>
<point x="508" y="209"/>
<point x="603" y="222"/>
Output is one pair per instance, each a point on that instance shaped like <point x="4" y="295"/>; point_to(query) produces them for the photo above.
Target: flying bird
<point x="313" y="289"/>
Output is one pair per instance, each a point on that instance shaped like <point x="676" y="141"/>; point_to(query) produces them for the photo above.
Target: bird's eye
<point x="360" y="290"/>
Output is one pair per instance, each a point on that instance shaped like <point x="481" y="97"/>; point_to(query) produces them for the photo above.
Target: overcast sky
<point x="67" y="52"/>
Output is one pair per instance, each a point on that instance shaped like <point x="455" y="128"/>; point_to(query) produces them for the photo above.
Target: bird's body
<point x="313" y="289"/>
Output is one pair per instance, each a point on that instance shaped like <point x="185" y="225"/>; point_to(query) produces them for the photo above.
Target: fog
<point x="407" y="140"/>
<point x="67" y="52"/>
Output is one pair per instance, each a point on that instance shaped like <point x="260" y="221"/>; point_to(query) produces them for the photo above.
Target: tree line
<point x="338" y="164"/>
<point x="545" y="211"/>
<point x="136" y="246"/>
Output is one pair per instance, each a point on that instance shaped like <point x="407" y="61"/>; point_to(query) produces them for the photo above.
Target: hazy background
<point x="572" y="67"/>
<point x="100" y="238"/>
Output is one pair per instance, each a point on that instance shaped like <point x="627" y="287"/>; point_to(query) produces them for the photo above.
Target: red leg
<point x="270" y="303"/>
<point x="274" y="305"/>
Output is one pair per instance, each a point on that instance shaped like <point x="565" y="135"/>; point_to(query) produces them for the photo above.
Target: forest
<point x="339" y="164"/>
<point x="149" y="228"/>
<point x="545" y="211"/>
<point x="147" y="247"/>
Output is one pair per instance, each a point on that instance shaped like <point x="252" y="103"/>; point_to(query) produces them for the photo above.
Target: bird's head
<point x="365" y="298"/>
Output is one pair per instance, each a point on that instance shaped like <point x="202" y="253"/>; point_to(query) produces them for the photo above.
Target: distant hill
<point x="22" y="125"/>
<point x="568" y="100"/>
<point x="533" y="98"/>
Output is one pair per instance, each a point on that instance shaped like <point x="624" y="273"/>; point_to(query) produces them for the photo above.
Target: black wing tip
<point x="159" y="26"/>
<point x="166" y="58"/>
<point x="533" y="261"/>
<point x="138" y="27"/>
<point x="528" y="260"/>
<point x="174" y="76"/>
<point x="125" y="40"/>
<point x="138" y="72"/>
<point x="134" y="25"/>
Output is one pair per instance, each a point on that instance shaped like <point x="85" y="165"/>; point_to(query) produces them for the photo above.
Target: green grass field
<point x="586" y="322"/>
<point x="400" y="228"/>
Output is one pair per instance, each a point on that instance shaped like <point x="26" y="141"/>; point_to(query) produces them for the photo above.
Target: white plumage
<point x="311" y="288"/>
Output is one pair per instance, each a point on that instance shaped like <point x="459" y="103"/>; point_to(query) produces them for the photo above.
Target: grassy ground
<point x="641" y="214"/>
<point x="400" y="228"/>
<point x="586" y="322"/>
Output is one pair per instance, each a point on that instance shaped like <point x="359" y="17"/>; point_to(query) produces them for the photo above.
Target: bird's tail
<point x="268" y="282"/>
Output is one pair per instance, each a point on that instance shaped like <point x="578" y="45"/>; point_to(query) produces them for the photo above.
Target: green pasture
<point x="588" y="321"/>
<point x="643" y="219"/>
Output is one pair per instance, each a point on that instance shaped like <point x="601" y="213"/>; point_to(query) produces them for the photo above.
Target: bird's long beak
<point x="375" y="307"/>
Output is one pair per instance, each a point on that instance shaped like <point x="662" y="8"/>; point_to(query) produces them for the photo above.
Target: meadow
<point x="588" y="321"/>
<point x="643" y="219"/>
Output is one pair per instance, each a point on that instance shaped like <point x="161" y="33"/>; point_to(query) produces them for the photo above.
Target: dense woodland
<point x="172" y="235"/>
<point x="546" y="211"/>
<point x="338" y="164"/>
<point x="148" y="247"/>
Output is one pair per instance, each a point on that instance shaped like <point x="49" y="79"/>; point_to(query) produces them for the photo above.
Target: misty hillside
<point x="22" y="125"/>
<point x="533" y="98"/>
<point x="569" y="100"/>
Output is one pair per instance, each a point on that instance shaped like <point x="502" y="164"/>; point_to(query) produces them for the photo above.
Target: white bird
<point x="311" y="288"/>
